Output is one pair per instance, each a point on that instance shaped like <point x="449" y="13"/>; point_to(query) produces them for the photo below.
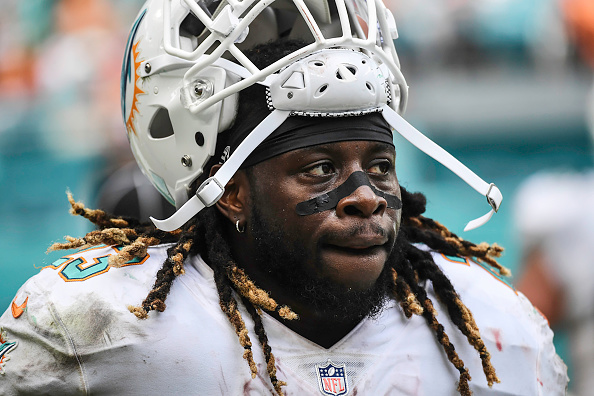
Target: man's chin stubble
<point x="321" y="294"/>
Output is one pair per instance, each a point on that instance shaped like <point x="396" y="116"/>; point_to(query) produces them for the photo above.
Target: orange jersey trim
<point x="17" y="310"/>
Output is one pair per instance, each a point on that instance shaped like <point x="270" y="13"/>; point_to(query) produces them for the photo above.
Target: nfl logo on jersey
<point x="332" y="379"/>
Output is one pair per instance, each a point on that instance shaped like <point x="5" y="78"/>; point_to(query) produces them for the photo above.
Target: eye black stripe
<point x="330" y="199"/>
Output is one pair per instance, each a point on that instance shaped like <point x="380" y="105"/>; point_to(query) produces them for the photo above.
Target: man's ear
<point x="234" y="202"/>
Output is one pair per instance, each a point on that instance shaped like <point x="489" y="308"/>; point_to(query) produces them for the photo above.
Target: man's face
<point x="344" y="248"/>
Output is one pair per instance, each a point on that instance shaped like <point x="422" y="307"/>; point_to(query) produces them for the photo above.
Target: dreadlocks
<point x="205" y="235"/>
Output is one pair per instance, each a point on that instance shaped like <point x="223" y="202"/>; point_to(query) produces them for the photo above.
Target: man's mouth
<point x="368" y="251"/>
<point x="361" y="245"/>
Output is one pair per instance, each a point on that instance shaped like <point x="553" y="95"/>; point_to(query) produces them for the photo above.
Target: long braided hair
<point x="205" y="235"/>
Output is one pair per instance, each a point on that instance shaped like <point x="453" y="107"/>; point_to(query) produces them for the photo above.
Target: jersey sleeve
<point x="69" y="325"/>
<point x="37" y="355"/>
<point x="517" y="336"/>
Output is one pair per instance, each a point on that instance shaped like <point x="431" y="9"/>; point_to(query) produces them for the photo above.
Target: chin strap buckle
<point x="210" y="191"/>
<point x="495" y="199"/>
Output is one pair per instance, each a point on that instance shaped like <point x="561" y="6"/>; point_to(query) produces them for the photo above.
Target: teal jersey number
<point x="78" y="269"/>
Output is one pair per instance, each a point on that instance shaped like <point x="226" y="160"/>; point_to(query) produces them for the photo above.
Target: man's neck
<point x="322" y="329"/>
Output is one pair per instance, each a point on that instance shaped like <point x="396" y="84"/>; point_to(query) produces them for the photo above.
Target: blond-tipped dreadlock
<point x="204" y="235"/>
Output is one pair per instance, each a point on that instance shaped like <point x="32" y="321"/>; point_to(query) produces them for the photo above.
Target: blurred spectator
<point x="60" y="62"/>
<point x="77" y="74"/>
<point x="554" y="215"/>
<point x="467" y="34"/>
<point x="579" y="15"/>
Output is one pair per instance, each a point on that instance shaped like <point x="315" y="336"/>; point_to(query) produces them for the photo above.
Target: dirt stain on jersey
<point x="93" y="324"/>
<point x="253" y="387"/>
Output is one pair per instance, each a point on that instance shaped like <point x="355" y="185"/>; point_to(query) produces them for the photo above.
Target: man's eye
<point x="321" y="169"/>
<point x="380" y="168"/>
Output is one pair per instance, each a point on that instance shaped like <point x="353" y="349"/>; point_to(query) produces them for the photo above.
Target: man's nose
<point x="362" y="202"/>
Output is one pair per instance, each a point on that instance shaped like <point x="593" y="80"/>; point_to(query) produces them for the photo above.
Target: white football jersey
<point x="69" y="332"/>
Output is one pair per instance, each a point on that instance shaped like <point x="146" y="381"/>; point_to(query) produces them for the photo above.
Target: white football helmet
<point x="185" y="64"/>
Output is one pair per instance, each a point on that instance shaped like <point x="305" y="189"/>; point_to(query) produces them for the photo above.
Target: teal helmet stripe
<point x="127" y="66"/>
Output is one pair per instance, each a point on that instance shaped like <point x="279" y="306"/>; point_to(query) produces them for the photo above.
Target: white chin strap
<point x="212" y="189"/>
<point x="426" y="145"/>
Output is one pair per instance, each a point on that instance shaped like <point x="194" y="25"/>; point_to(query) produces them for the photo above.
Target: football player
<point x="295" y="263"/>
<point x="557" y="272"/>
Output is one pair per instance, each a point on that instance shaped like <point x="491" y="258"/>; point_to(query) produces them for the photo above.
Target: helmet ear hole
<point x="199" y="137"/>
<point x="191" y="26"/>
<point x="161" y="127"/>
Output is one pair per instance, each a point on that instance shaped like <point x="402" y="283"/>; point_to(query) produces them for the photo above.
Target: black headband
<point x="301" y="131"/>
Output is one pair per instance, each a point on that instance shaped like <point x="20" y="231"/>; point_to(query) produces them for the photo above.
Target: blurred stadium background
<point x="498" y="83"/>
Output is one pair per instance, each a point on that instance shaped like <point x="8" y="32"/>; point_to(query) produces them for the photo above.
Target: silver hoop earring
<point x="239" y="229"/>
